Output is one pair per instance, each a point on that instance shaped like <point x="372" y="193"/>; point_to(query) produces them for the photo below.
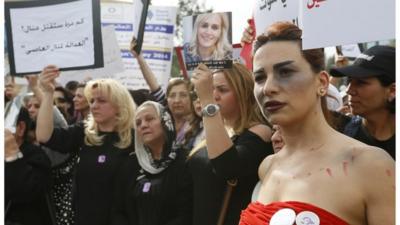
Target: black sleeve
<point x="28" y="177"/>
<point x="66" y="140"/>
<point x="243" y="158"/>
<point x="185" y="198"/>
<point x="123" y="211"/>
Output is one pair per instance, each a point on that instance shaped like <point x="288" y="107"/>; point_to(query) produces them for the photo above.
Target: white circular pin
<point x="284" y="216"/>
<point x="307" y="218"/>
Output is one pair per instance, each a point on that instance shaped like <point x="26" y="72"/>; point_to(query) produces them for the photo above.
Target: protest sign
<point x="236" y="57"/>
<point x="112" y="61"/>
<point x="128" y="19"/>
<point x="208" y="40"/>
<point x="330" y="23"/>
<point x="157" y="47"/>
<point x="267" y="12"/>
<point x="65" y="33"/>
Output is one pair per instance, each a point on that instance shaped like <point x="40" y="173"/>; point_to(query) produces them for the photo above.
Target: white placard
<point x="351" y="50"/>
<point x="338" y="22"/>
<point x="158" y="42"/>
<point x="60" y="34"/>
<point x="112" y="61"/>
<point x="267" y="12"/>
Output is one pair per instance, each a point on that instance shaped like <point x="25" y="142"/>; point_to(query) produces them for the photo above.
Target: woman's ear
<point x="323" y="80"/>
<point x="392" y="92"/>
<point x="322" y="83"/>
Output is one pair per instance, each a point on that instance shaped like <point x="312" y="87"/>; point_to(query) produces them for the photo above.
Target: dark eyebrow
<point x="276" y="66"/>
<point x="261" y="70"/>
<point x="281" y="64"/>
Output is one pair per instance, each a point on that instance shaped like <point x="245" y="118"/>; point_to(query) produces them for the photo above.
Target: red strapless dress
<point x="291" y="212"/>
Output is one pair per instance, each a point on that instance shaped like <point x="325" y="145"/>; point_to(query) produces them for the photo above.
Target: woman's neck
<point x="206" y="53"/>
<point x="179" y="122"/>
<point x="110" y="127"/>
<point x="156" y="149"/>
<point x="308" y="133"/>
<point x="381" y="126"/>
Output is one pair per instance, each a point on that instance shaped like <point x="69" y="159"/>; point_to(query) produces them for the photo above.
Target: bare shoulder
<point x="370" y="158"/>
<point x="262" y="131"/>
<point x="265" y="166"/>
<point x="369" y="163"/>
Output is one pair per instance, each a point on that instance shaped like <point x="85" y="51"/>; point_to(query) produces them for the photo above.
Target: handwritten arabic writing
<point x="313" y="3"/>
<point x="56" y="46"/>
<point x="52" y="25"/>
<point x="265" y="3"/>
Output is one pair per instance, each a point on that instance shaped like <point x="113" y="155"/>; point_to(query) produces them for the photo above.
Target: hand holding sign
<point x="47" y="78"/>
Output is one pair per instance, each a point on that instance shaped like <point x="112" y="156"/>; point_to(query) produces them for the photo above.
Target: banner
<point x="65" y="33"/>
<point x="339" y="22"/>
<point x="267" y="12"/>
<point x="158" y="42"/>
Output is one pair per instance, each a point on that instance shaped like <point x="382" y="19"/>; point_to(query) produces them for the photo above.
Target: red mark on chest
<point x="329" y="171"/>
<point x="345" y="165"/>
<point x="388" y="173"/>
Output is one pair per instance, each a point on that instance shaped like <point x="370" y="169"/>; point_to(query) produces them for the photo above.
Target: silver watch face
<point x="210" y="110"/>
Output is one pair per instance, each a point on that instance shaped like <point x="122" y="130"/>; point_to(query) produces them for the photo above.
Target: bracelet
<point x="14" y="157"/>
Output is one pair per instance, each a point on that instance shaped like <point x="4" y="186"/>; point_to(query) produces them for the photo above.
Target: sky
<point x="240" y="12"/>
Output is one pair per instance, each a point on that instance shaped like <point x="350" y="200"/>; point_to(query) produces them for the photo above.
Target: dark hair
<point x="72" y="85"/>
<point x="286" y="31"/>
<point x="68" y="98"/>
<point x="386" y="82"/>
<point x="23" y="116"/>
<point x="141" y="95"/>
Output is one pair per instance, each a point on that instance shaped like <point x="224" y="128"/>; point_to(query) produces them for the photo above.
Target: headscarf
<point x="143" y="153"/>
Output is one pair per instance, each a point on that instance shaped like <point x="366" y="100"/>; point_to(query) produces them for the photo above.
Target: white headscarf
<point x="143" y="154"/>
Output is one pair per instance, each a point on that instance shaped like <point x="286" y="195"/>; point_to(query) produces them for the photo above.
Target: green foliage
<point x="187" y="8"/>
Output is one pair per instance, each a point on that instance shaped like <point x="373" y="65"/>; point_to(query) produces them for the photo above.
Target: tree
<point x="187" y="8"/>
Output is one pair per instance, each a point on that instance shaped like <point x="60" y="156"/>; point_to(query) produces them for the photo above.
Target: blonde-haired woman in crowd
<point x="209" y="39"/>
<point x="228" y="103"/>
<point x="102" y="143"/>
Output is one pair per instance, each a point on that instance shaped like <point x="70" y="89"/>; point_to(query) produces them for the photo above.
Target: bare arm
<point x="377" y="171"/>
<point x="218" y="140"/>
<point x="44" y="127"/>
<point x="148" y="75"/>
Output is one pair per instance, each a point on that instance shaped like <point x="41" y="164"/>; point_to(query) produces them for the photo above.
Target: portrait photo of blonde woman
<point x="208" y="40"/>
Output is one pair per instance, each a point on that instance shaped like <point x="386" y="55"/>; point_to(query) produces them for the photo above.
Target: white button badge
<point x="284" y="216"/>
<point x="307" y="218"/>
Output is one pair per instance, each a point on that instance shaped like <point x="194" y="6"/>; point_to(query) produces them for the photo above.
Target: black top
<point x="27" y="181"/>
<point x="355" y="129"/>
<point x="153" y="199"/>
<point x="210" y="177"/>
<point x="95" y="172"/>
<point x="388" y="145"/>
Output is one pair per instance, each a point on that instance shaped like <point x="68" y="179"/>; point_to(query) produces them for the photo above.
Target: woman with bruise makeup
<point x="320" y="176"/>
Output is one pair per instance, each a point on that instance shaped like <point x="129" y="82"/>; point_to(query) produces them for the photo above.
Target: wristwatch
<point x="14" y="157"/>
<point x="210" y="110"/>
